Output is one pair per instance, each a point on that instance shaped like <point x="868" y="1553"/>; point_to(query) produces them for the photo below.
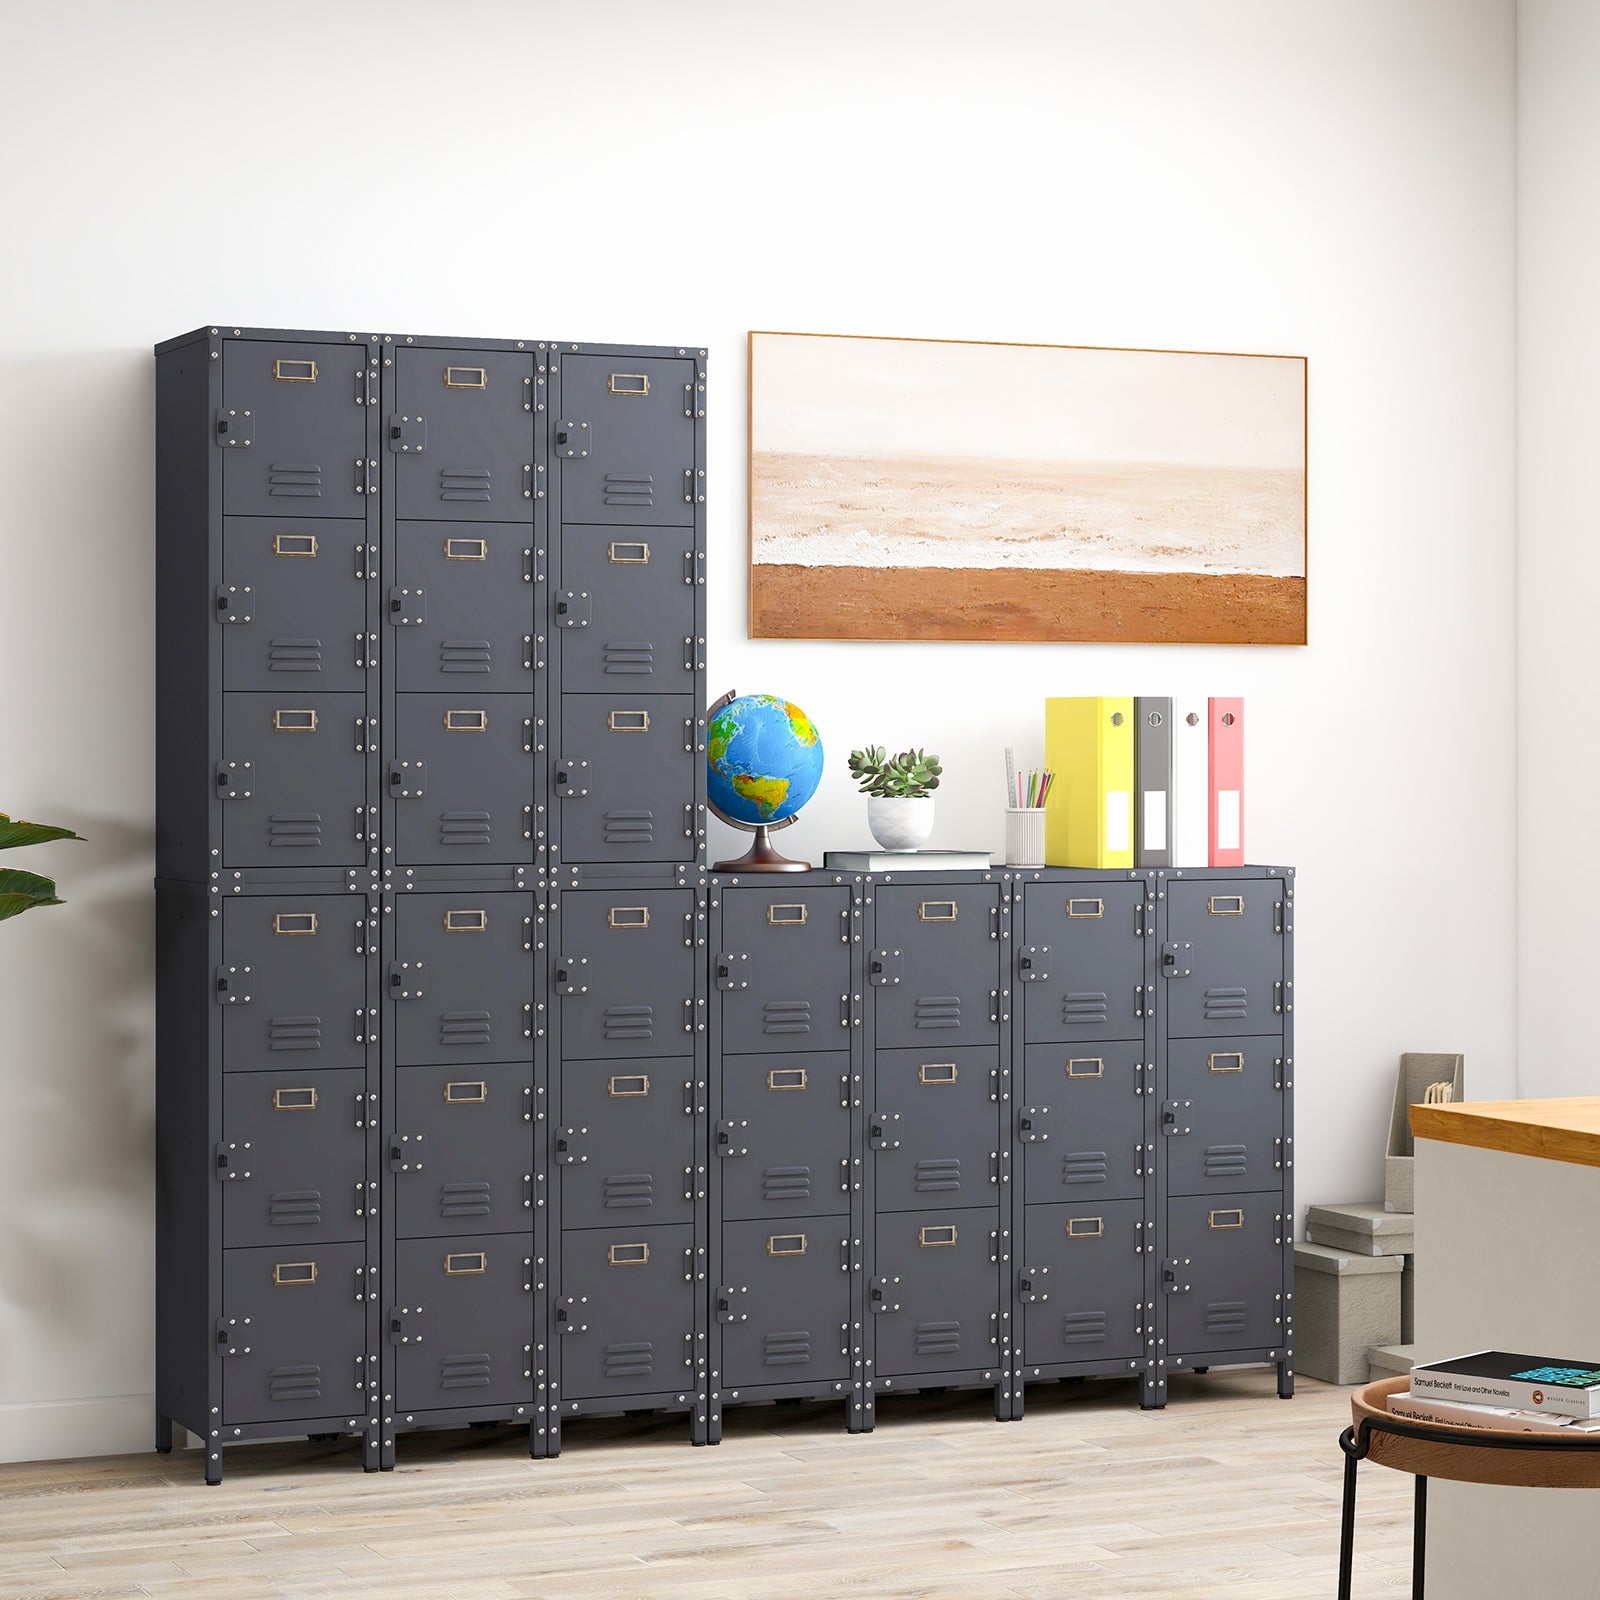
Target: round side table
<point x="1545" y="1460"/>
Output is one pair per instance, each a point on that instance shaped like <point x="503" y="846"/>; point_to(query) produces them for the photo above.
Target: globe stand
<point x="760" y="857"/>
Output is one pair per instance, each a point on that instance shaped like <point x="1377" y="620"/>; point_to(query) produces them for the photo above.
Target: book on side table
<point x="1459" y="1414"/>
<point x="905" y="860"/>
<point x="1524" y="1383"/>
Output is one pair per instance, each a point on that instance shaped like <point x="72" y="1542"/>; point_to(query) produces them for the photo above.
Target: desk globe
<point x="763" y="762"/>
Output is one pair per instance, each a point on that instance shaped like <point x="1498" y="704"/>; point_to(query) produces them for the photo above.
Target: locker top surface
<point x="424" y="341"/>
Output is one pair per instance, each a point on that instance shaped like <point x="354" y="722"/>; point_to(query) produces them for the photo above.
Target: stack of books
<point x="1493" y="1389"/>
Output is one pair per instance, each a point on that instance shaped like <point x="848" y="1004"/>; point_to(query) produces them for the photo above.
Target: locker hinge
<point x="405" y="980"/>
<point x="231" y="1157"/>
<point x="725" y="1311"/>
<point x="1028" y="1290"/>
<point x="408" y="436"/>
<point x="233" y="780"/>
<point x="408" y="780"/>
<point x="569" y="1146"/>
<point x="1283" y="1153"/>
<point x="1030" y="1120"/>
<point x="574" y="609"/>
<point x="567" y="1314"/>
<point x="233" y="603"/>
<point x="878" y="1291"/>
<point x="1031" y="967"/>
<point x="397" y="1325"/>
<point x="1173" y="1273"/>
<point x="573" y="439"/>
<point x="408" y="608"/>
<point x="405" y="1152"/>
<point x="1170" y="1125"/>
<point x="567" y="974"/>
<point x="725" y="977"/>
<point x="883" y="967"/>
<point x="723" y="1145"/>
<point x="572" y="779"/>
<point x="233" y="428"/>
<point x="878" y="1130"/>
<point x="1171" y="956"/>
<point x="231" y="1334"/>
<point x="233" y="986"/>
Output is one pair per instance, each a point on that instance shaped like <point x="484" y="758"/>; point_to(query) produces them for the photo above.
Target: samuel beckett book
<point x="1528" y="1383"/>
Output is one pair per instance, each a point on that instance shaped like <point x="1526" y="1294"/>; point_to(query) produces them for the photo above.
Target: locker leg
<point x="1286" y="1380"/>
<point x="1007" y="1408"/>
<point x="371" y="1451"/>
<point x="714" y="1424"/>
<point x="214" y="1464"/>
<point x="163" y="1435"/>
<point x="1152" y="1392"/>
<point x="552" y="1443"/>
<point x="863" y="1412"/>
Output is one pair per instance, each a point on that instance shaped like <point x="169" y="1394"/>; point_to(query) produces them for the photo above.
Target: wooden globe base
<point x="761" y="857"/>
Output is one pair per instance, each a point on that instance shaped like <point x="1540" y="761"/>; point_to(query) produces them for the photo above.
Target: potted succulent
<point x="20" y="890"/>
<point x="899" y="791"/>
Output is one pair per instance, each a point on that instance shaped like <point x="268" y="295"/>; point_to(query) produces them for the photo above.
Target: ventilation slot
<point x="1084" y="1010"/>
<point x="1225" y="1316"/>
<point x="464" y="655"/>
<point x="463" y="1027"/>
<point x="630" y="489"/>
<point x="470" y="1371"/>
<point x="1225" y="1160"/>
<point x="783" y="1185"/>
<point x="1225" y="1005"/>
<point x="294" y="1033"/>
<point x="463" y="1200"/>
<point x="941" y="1173"/>
<point x="630" y="1360"/>
<point x="786" y="1016"/>
<point x="938" y="1338"/>
<point x="939" y="1011"/>
<point x="293" y="1384"/>
<point x="1083" y="1327"/>
<point x="1085" y="1166"/>
<point x="786" y="1349"/>
<point x="294" y="655"/>
<point x="464" y="483"/>
<point x="295" y="1208"/>
<point x="630" y="1022"/>
<point x="630" y="827"/>
<point x="294" y="482"/>
<point x="295" y="830"/>
<point x="463" y="827"/>
<point x="629" y="1190"/>
<point x="630" y="660"/>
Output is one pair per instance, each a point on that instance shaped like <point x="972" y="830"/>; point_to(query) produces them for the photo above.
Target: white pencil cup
<point x="1025" y="836"/>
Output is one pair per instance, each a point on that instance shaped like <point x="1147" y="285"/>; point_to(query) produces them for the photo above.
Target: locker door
<point x="1222" y="1122"/>
<point x="292" y="606"/>
<point x="461" y="435"/>
<point x="462" y="778"/>
<point x="461" y="979"/>
<point x="625" y="777"/>
<point x="934" y="1125"/>
<point x="624" y="442"/>
<point x="296" y="1331"/>
<point x="935" y="970"/>
<point x="624" y="969"/>
<point x="783" y="972"/>
<point x="1082" y="1282"/>
<point x="1222" y="1277"/>
<point x="462" y="1321"/>
<point x="935" y="1300"/>
<point x="784" y="1303"/>
<point x="624" y="609"/>
<point x="1081" y="1121"/>
<point x="1223" y="963"/>
<point x="462" y="1150"/>
<point x="293" y="978"/>
<point x="461" y="608"/>
<point x="625" y="1145"/>
<point x="1080" y="961"/>
<point x="626" y="1315"/>
<point x="295" y="1151"/>
<point x="783" y="1144"/>
<point x="293" y="779"/>
<point x="293" y="429"/>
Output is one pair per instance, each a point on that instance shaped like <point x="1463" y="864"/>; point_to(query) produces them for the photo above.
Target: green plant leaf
<point x="13" y="834"/>
<point x="22" y="891"/>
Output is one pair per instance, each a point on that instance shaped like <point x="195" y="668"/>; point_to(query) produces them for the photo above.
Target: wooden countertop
<point x="1556" y="1130"/>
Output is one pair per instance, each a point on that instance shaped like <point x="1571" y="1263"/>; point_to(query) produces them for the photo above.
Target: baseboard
<point x="51" y="1430"/>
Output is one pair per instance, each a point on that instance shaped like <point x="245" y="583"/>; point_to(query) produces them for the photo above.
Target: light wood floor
<point x="1228" y="1492"/>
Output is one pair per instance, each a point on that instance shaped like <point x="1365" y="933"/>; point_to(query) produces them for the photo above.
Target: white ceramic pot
<point x="900" y="824"/>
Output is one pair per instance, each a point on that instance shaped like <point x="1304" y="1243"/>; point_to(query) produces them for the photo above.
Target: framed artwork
<point x="946" y="489"/>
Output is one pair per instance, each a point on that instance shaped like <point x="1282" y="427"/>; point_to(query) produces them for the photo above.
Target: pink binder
<point x="1225" y="771"/>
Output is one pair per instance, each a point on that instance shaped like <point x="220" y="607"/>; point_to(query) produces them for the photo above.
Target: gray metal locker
<point x="1222" y="960"/>
<point x="783" y="974"/>
<point x="783" y="1307"/>
<point x="1222" y="1277"/>
<point x="782" y="1144"/>
<point x="935" y="964"/>
<point x="1080" y="961"/>
<point x="934" y="1128"/>
<point x="1080" y="1121"/>
<point x="1081" y="1282"/>
<point x="933" y="1296"/>
<point x="1221" y="1125"/>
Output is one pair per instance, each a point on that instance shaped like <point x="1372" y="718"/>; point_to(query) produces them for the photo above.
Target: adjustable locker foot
<point x="163" y="1435"/>
<point x="214" y="1465"/>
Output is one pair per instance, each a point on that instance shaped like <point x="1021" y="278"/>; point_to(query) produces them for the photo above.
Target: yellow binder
<point x="1088" y="816"/>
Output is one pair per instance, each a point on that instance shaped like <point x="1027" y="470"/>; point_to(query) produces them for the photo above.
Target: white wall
<point x="1558" y="569"/>
<point x="1332" y="178"/>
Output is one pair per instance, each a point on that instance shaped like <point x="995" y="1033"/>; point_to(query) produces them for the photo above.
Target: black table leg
<point x="1347" y="1524"/>
<point x="1419" y="1535"/>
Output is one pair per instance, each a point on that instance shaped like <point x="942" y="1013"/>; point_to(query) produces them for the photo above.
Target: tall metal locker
<point x="785" y="1170"/>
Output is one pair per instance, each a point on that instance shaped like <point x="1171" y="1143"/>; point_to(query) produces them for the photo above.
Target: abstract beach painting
<point x="945" y="489"/>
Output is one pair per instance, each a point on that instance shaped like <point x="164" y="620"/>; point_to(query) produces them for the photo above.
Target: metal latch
<point x="402" y="1156"/>
<point x="233" y="780"/>
<point x="408" y="608"/>
<point x="397" y="1325"/>
<point x="1172" y="1275"/>
<point x="1027" y="1291"/>
<point x="234" y="602"/>
<point x="1031" y="966"/>
<point x="1028" y="1121"/>
<point x="883" y="967"/>
<point x="1169" y="1117"/>
<point x="1171" y="955"/>
<point x="569" y="1142"/>
<point x="572" y="779"/>
<point x="878" y="1295"/>
<point x="408" y="780"/>
<point x="403" y="975"/>
<point x="723" y="1145"/>
<point x="574" y="609"/>
<point x="573" y="439"/>
<point x="230" y="1155"/>
<point x="566" y="975"/>
<point x="725" y="977"/>
<point x="231" y="1332"/>
<point x="408" y="436"/>
<point x="725" y="1311"/>
<point x="878" y="1130"/>
<point x="567" y="1314"/>
<point x="233" y="428"/>
<point x="233" y="986"/>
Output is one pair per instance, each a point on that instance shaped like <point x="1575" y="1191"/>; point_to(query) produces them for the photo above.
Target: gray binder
<point x="1152" y="781"/>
